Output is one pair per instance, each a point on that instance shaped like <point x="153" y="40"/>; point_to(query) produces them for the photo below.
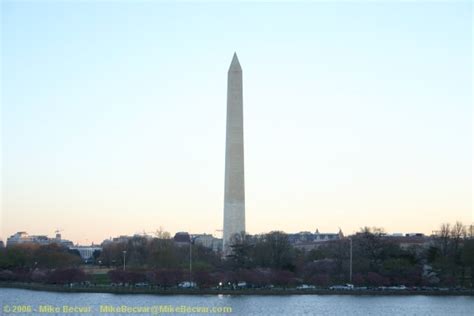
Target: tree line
<point x="447" y="260"/>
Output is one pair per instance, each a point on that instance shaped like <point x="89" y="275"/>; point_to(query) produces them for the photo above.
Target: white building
<point x="208" y="241"/>
<point x="86" y="252"/>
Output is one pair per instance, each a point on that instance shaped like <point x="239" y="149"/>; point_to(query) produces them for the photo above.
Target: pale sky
<point x="355" y="114"/>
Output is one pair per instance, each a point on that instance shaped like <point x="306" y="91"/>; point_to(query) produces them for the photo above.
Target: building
<point x="407" y="241"/>
<point x="300" y="237"/>
<point x="25" y="238"/>
<point x="119" y="239"/>
<point x="182" y="238"/>
<point x="318" y="237"/>
<point x="234" y="188"/>
<point x="309" y="238"/>
<point x="308" y="241"/>
<point x="122" y="239"/>
<point x="125" y="239"/>
<point x="208" y="241"/>
<point x="18" y="238"/>
<point x="86" y="252"/>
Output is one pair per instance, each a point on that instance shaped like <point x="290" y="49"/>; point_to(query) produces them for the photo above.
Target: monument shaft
<point x="234" y="190"/>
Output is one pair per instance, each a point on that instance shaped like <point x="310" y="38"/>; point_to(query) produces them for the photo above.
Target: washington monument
<point x="234" y="188"/>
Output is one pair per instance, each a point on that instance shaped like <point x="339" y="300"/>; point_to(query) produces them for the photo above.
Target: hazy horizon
<point x="355" y="114"/>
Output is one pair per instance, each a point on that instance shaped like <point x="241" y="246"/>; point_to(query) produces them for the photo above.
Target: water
<point x="240" y="305"/>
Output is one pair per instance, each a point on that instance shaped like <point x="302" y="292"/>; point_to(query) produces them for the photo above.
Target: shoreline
<point x="174" y="291"/>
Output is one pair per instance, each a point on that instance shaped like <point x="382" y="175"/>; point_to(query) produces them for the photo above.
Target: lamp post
<point x="190" y="260"/>
<point x="124" y="253"/>
<point x="350" y="261"/>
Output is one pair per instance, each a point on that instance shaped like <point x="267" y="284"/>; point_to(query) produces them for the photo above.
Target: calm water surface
<point x="240" y="305"/>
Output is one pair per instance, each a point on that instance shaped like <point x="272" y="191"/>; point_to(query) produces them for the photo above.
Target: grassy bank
<point x="176" y="291"/>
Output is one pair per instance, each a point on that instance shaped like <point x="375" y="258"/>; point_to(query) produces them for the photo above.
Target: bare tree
<point x="443" y="237"/>
<point x="160" y="233"/>
<point x="458" y="232"/>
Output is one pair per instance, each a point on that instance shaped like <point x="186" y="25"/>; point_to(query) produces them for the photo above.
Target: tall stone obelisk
<point x="234" y="190"/>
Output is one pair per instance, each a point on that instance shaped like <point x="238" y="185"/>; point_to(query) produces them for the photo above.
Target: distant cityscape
<point x="304" y="240"/>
